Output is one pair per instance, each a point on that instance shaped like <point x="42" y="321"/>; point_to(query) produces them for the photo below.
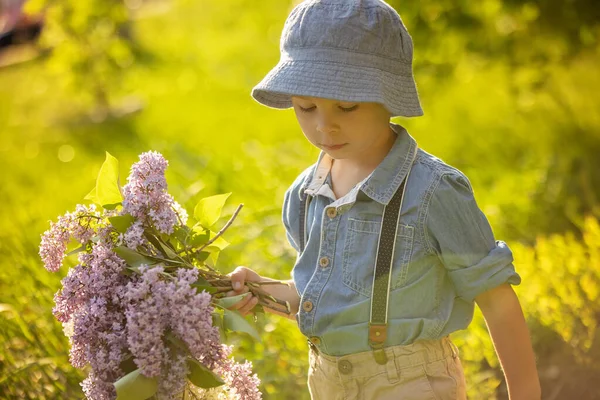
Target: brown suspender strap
<point x="382" y="275"/>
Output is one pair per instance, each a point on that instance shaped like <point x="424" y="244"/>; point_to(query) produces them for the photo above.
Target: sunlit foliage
<point x="509" y="90"/>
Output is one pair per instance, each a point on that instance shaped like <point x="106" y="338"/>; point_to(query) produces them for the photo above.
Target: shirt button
<point x="307" y="306"/>
<point x="315" y="340"/>
<point x="345" y="366"/>
<point x="331" y="212"/>
<point x="324" y="261"/>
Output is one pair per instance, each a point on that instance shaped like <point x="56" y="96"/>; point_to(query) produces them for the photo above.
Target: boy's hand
<point x="238" y="277"/>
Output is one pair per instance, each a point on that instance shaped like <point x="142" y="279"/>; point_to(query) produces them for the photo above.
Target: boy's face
<point x="344" y="130"/>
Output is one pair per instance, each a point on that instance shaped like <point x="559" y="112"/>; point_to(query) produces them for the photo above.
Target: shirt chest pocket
<point x="360" y="250"/>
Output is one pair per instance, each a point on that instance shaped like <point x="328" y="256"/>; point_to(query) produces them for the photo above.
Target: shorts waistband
<point x="399" y="357"/>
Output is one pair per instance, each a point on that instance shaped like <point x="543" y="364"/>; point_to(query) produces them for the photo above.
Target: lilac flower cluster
<point x="91" y="299"/>
<point x="152" y="315"/>
<point x="145" y="198"/>
<point x="80" y="224"/>
<point x="172" y="382"/>
<point x="158" y="305"/>
<point x="240" y="381"/>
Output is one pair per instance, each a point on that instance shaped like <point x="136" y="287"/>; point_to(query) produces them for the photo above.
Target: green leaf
<point x="202" y="256"/>
<point x="201" y="281"/>
<point x="217" y="318"/>
<point x="227" y="302"/>
<point x="208" y="210"/>
<point x="202" y="284"/>
<point x="233" y="321"/>
<point x="219" y="243"/>
<point x="167" y="250"/>
<point x="214" y="256"/>
<point x="199" y="236"/>
<point x="135" y="386"/>
<point x="92" y="196"/>
<point x="107" y="192"/>
<point x="111" y="206"/>
<point x="201" y="376"/>
<point x="180" y="344"/>
<point x="128" y="365"/>
<point x="211" y="261"/>
<point x="182" y="234"/>
<point x="161" y="246"/>
<point x="122" y="222"/>
<point x="132" y="257"/>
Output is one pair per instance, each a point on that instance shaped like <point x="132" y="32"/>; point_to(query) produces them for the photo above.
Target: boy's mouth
<point x="333" y="147"/>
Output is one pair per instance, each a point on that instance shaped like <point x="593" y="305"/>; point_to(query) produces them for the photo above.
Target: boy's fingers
<point x="232" y="293"/>
<point x="240" y="304"/>
<point x="249" y="306"/>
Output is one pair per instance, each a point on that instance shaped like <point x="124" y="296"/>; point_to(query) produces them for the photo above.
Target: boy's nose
<point x="326" y="124"/>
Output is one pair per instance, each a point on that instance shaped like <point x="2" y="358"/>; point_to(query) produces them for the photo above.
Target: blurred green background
<point x="510" y="92"/>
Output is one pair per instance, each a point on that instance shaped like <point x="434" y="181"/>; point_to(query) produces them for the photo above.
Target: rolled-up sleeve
<point x="458" y="231"/>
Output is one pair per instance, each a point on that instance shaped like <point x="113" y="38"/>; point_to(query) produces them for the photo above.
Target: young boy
<point x="393" y="250"/>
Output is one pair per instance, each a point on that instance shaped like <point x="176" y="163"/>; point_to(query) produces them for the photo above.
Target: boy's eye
<point x="344" y="109"/>
<point x="348" y="109"/>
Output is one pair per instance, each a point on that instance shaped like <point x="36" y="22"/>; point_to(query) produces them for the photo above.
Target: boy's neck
<point x="368" y="160"/>
<point x="346" y="173"/>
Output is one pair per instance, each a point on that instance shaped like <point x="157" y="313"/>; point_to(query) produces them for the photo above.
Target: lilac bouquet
<point x="144" y="308"/>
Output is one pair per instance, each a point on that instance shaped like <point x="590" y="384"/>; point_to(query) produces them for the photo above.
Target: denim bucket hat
<point x="350" y="50"/>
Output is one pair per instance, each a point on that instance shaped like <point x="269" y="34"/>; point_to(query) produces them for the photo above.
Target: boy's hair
<point x="350" y="50"/>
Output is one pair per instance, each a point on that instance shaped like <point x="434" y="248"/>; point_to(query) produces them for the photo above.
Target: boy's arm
<point x="508" y="330"/>
<point x="286" y="292"/>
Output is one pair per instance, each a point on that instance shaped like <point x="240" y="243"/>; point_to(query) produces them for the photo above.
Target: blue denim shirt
<point x="445" y="252"/>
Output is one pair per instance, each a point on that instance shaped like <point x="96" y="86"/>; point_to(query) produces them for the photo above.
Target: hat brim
<point x="330" y="80"/>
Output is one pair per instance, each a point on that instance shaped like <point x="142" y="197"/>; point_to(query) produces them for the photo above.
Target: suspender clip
<point x="380" y="356"/>
<point x="377" y="336"/>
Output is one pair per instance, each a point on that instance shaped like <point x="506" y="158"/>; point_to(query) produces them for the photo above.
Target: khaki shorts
<point x="424" y="370"/>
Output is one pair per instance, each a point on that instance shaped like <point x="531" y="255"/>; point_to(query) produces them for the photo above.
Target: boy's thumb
<point x="237" y="276"/>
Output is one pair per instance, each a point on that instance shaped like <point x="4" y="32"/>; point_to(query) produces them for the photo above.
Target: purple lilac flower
<point x="181" y="212"/>
<point x="134" y="237"/>
<point x="97" y="389"/>
<point x="92" y="300"/>
<point x="191" y="314"/>
<point x="147" y="316"/>
<point x="99" y="274"/>
<point x="145" y="195"/>
<point x="242" y="384"/>
<point x="173" y="377"/>
<point x="80" y="224"/>
<point x="111" y="315"/>
<point x="72" y="297"/>
<point x="85" y="222"/>
<point x="157" y="304"/>
<point x="54" y="243"/>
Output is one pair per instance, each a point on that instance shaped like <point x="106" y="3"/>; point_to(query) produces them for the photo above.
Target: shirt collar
<point x="383" y="182"/>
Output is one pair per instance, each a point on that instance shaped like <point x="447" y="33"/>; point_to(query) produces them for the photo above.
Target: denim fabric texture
<point x="445" y="256"/>
<point x="356" y="50"/>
